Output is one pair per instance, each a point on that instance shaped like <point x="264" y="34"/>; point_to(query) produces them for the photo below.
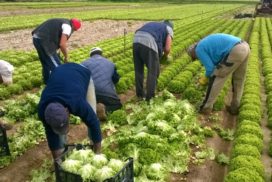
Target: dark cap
<point x="169" y="23"/>
<point x="57" y="116"/>
<point x="191" y="50"/>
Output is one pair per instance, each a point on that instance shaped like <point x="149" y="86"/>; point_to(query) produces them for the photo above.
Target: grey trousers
<point x="235" y="64"/>
<point x="143" y="55"/>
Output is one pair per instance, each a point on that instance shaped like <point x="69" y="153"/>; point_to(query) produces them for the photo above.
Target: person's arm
<point x="168" y="44"/>
<point x="115" y="76"/>
<point x="207" y="63"/>
<point x="66" y="32"/>
<point x="63" y="46"/>
<point x="88" y="116"/>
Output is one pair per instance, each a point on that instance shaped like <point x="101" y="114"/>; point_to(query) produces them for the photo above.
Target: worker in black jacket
<point x="50" y="36"/>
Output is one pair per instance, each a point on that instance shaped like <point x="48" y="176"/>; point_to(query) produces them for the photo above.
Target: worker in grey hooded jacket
<point x="105" y="76"/>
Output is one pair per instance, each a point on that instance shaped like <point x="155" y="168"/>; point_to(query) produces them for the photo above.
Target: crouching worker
<point x="66" y="93"/>
<point x="222" y="55"/>
<point x="6" y="71"/>
<point x="105" y="76"/>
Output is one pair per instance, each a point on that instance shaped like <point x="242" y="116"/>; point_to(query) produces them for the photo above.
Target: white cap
<point x="95" y="49"/>
<point x="6" y="70"/>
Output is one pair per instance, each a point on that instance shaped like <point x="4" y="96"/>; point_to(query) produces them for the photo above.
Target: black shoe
<point x="232" y="110"/>
<point x="6" y="126"/>
<point x="205" y="111"/>
<point x="2" y="113"/>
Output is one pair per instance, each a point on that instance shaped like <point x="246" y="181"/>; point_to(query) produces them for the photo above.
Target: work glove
<point x="203" y="80"/>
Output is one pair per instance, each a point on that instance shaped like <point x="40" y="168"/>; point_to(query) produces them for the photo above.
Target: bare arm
<point x="63" y="46"/>
<point x="168" y="44"/>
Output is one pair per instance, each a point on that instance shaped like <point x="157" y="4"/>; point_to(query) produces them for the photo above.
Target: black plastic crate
<point x="4" y="148"/>
<point x="124" y="175"/>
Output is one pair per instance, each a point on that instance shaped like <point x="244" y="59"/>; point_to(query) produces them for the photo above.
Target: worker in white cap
<point x="6" y="71"/>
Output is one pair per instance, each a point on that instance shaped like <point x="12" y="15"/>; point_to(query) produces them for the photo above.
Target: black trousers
<point x="143" y="55"/>
<point x="110" y="103"/>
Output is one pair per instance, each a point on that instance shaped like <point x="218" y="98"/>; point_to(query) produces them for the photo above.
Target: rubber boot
<point x="101" y="111"/>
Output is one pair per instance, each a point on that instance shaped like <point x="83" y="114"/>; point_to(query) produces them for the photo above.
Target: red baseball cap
<point x="76" y="24"/>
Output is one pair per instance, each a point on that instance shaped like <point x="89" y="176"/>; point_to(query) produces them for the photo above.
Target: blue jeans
<point x="49" y="61"/>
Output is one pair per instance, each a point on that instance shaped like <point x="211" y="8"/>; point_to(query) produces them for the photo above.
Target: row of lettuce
<point x="120" y="52"/>
<point x="267" y="70"/>
<point x="245" y="162"/>
<point x="139" y="12"/>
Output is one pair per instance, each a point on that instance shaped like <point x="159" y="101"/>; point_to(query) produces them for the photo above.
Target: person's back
<point x="102" y="71"/>
<point x="67" y="84"/>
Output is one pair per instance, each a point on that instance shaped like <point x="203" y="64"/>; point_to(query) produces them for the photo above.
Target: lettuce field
<point x="167" y="138"/>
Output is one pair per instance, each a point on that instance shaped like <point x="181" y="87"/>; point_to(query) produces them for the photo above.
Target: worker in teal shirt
<point x="222" y="55"/>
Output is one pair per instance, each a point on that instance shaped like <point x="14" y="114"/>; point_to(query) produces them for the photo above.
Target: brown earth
<point x="26" y="11"/>
<point x="90" y="33"/>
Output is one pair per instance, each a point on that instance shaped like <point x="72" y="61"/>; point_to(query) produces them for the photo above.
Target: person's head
<point x="191" y="51"/>
<point x="171" y="27"/>
<point x="96" y="50"/>
<point x="6" y="71"/>
<point x="57" y="117"/>
<point x="76" y="24"/>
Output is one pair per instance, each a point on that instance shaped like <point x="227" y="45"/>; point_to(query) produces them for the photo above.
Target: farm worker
<point x="69" y="90"/>
<point x="105" y="76"/>
<point x="50" y="36"/>
<point x="222" y="55"/>
<point x="6" y="71"/>
<point x="152" y="43"/>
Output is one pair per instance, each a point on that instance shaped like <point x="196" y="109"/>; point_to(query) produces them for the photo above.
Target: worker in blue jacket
<point x="105" y="76"/>
<point x="152" y="43"/>
<point x="222" y="55"/>
<point x="66" y="93"/>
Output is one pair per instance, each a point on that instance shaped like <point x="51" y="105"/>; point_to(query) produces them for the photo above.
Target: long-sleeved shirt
<point x="68" y="85"/>
<point x="212" y="49"/>
<point x="104" y="75"/>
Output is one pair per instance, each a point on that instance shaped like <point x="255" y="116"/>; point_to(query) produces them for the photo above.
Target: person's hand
<point x="65" y="60"/>
<point x="203" y="80"/>
<point x="165" y="59"/>
<point x="97" y="148"/>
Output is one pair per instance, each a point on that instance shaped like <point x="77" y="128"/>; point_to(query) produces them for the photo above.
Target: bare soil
<point x="26" y="11"/>
<point x="90" y="33"/>
<point x="211" y="171"/>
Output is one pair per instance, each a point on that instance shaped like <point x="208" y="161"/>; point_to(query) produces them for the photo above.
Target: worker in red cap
<point x="50" y="36"/>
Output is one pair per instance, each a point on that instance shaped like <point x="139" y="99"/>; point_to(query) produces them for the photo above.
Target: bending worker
<point x="68" y="92"/>
<point x="105" y="76"/>
<point x="6" y="71"/>
<point x="222" y="55"/>
<point x="152" y="42"/>
<point x="50" y="36"/>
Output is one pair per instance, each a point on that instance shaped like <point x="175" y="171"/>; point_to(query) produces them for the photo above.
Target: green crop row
<point x="245" y="163"/>
<point x="120" y="13"/>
